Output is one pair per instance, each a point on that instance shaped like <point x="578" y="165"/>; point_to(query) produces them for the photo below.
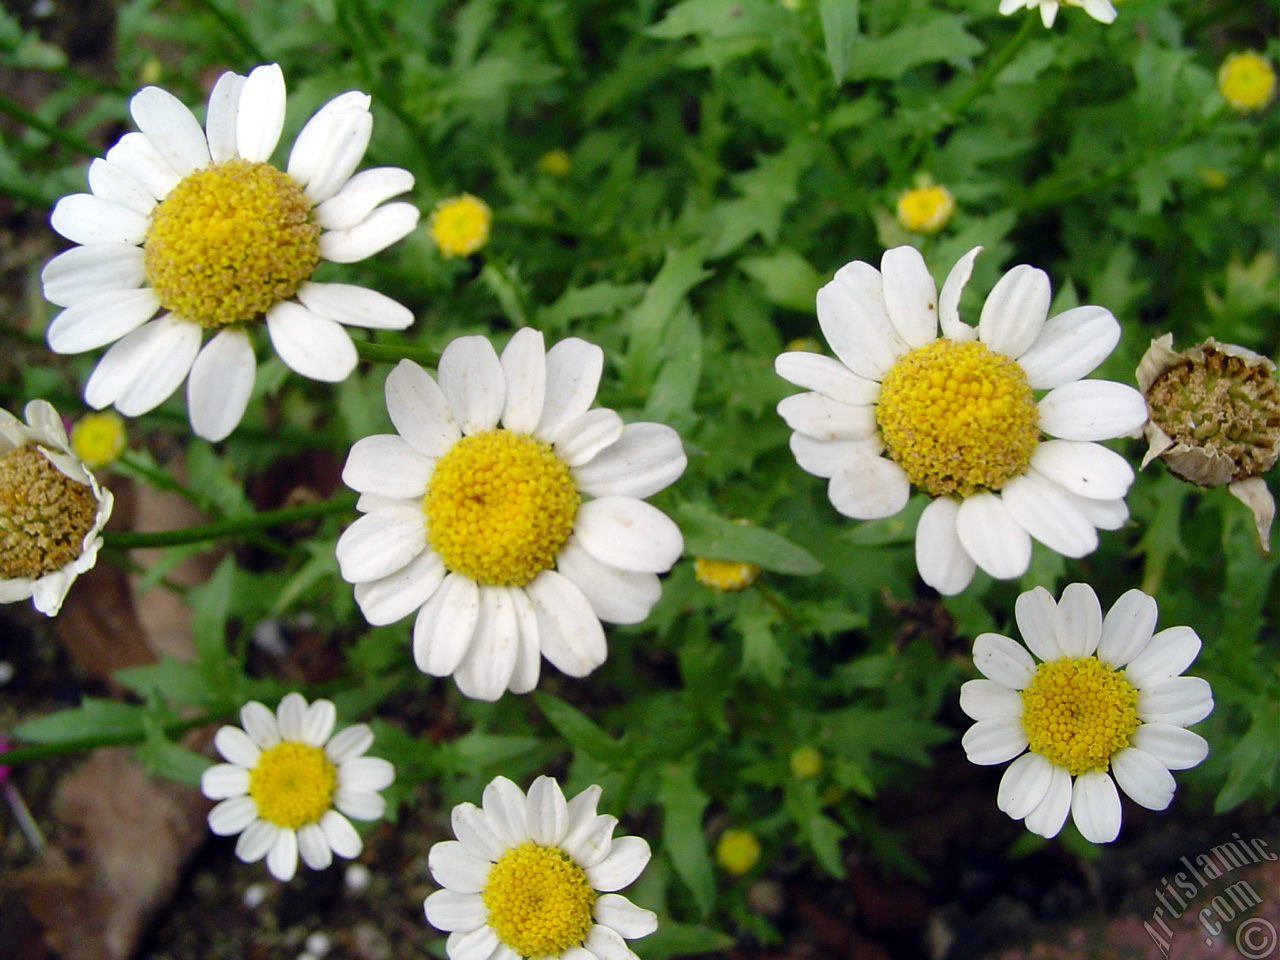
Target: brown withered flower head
<point x="1214" y="419"/>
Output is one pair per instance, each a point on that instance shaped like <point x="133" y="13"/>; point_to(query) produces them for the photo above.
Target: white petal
<point x="100" y="319"/>
<point x="998" y="543"/>
<point x="315" y="136"/>
<point x="568" y="630"/>
<point x="48" y="592"/>
<point x="367" y="773"/>
<point x="624" y="917"/>
<point x="259" y="723"/>
<point x="573" y="376"/>
<point x="910" y="296"/>
<point x="524" y="367"/>
<point x="359" y="804"/>
<point x="604" y="943"/>
<point x="1181" y="701"/>
<point x="385" y="464"/>
<point x="504" y="808"/>
<point x="1175" y="747"/>
<point x="260" y="113"/>
<point x="986" y="700"/>
<point x="546" y="812"/>
<point x="99" y="268"/>
<point x="1070" y="347"/>
<point x="373" y="234"/>
<point x="1024" y="785"/>
<point x="348" y="743"/>
<point x="223" y="781"/>
<point x="360" y="195"/>
<point x="354" y="306"/>
<point x="822" y="418"/>
<point x="827" y="376"/>
<point x="1050" y="814"/>
<point x="949" y="300"/>
<point x="579" y="440"/>
<point x="1095" y="807"/>
<point x="348" y="140"/>
<point x="84" y="218"/>
<point x="1015" y="310"/>
<point x="378" y="544"/>
<point x="291" y="713"/>
<point x="1003" y="660"/>
<point x="114" y="183"/>
<point x="137" y="156"/>
<point x="171" y="128"/>
<point x="648" y="457"/>
<point x="220" y="383"/>
<point x="943" y="562"/>
<point x="529" y="655"/>
<point x="1165" y="657"/>
<point x="1144" y="778"/>
<point x="445" y="626"/>
<point x="823" y="458"/>
<point x="855" y="321"/>
<point x="479" y="944"/>
<point x="616" y="596"/>
<point x="868" y="488"/>
<point x="1041" y="508"/>
<point x="590" y="840"/>
<point x="342" y="836"/>
<point x="994" y="741"/>
<point x="258" y="838"/>
<point x="471" y="827"/>
<point x="626" y="860"/>
<point x="449" y="910"/>
<point x="317" y="723"/>
<point x="399" y="594"/>
<point x="1079" y="621"/>
<point x="1092" y="410"/>
<point x="629" y="534"/>
<point x="420" y="411"/>
<point x="236" y="747"/>
<point x="486" y="669"/>
<point x="220" y="118"/>
<point x="144" y="368"/>
<point x="311" y="345"/>
<point x="282" y="858"/>
<point x="471" y="379"/>
<point x="232" y="815"/>
<point x="313" y="847"/>
<point x="1037" y="616"/>
<point x="1085" y="469"/>
<point x="1127" y="628"/>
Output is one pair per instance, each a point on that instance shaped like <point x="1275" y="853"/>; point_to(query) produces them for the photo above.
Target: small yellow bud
<point x="1246" y="81"/>
<point x="98" y="438"/>
<point x="804" y="344"/>
<point x="806" y="763"/>
<point x="460" y="225"/>
<point x="738" y="850"/>
<point x="555" y="162"/>
<point x="926" y="209"/>
<point x="724" y="575"/>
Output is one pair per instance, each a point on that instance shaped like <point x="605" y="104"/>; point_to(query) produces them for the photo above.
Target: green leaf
<point x="789" y="280"/>
<point x="839" y="29"/>
<point x="889" y="57"/>
<point x="683" y="838"/>
<point x="1254" y="761"/>
<point x="211" y="606"/>
<point x="175" y="681"/>
<point x="714" y="537"/>
<point x="681" y="271"/>
<point x="166" y="759"/>
<point x="673" y="939"/>
<point x="581" y="731"/>
<point x="93" y="718"/>
<point x="676" y="385"/>
<point x="761" y="655"/>
<point x="720" y="19"/>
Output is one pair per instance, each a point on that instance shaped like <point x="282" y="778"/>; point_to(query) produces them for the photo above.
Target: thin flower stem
<point x="223" y="529"/>
<point x="26" y="822"/>
<point x="391" y="353"/>
<point x="233" y="24"/>
<point x="50" y="130"/>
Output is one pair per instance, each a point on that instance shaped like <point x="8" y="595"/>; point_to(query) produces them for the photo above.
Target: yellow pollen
<point x="499" y="507"/>
<point x="724" y="575"/>
<point x="1246" y="81"/>
<point x="926" y="209"/>
<point x="98" y="438"/>
<point x="292" y="784"/>
<point x="44" y="515"/>
<point x="1078" y="712"/>
<point x="958" y="417"/>
<point x="539" y="900"/>
<point x="460" y="225"/>
<point x="229" y="242"/>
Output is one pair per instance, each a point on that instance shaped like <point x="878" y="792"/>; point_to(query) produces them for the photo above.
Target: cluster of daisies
<point x="508" y="515"/>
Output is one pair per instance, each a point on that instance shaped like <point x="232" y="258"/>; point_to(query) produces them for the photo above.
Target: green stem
<point x="222" y="529"/>
<point x="50" y="130"/>
<point x="391" y="353"/>
<point x="232" y="24"/>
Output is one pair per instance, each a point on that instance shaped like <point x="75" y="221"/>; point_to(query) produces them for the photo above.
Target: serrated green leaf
<point x="175" y="681"/>
<point x="581" y="731"/>
<point x="166" y="759"/>
<point x="93" y="718"/>
<point x="839" y="30"/>
<point x="683" y="837"/>
<point x="761" y="655"/>
<point x="716" y="538"/>
<point x="1254" y="761"/>
<point x="788" y="279"/>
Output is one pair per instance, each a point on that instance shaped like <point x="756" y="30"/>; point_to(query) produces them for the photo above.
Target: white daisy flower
<point x="956" y="415"/>
<point x="534" y="877"/>
<point x="52" y="510"/>
<point x="288" y="786"/>
<point x="1107" y="700"/>
<point x="189" y="229"/>
<point x="484" y="530"/>
<point x="1100" y="10"/>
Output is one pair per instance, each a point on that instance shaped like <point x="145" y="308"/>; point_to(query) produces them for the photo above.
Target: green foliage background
<point x="726" y="157"/>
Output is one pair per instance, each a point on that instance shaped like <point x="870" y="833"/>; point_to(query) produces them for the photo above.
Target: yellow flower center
<point x="958" y="417"/>
<point x="499" y="507"/>
<point x="724" y="574"/>
<point x="1246" y="81"/>
<point x="1078" y="712"/>
<point x="292" y="784"/>
<point x="926" y="209"/>
<point x="229" y="242"/>
<point x="460" y="225"/>
<point x="539" y="900"/>
<point x="738" y="850"/>
<point x="98" y="438"/>
<point x="44" y="515"/>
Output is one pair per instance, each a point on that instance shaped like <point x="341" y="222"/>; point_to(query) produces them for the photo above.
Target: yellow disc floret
<point x="229" y="242"/>
<point x="44" y="515"/>
<point x="539" y="900"/>
<point x="1246" y="81"/>
<point x="292" y="784"/>
<point x="98" y="438"/>
<point x="460" y="225"/>
<point x="926" y="209"/>
<point x="958" y="417"/>
<point x="724" y="575"/>
<point x="499" y="507"/>
<point x="1078" y="712"/>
